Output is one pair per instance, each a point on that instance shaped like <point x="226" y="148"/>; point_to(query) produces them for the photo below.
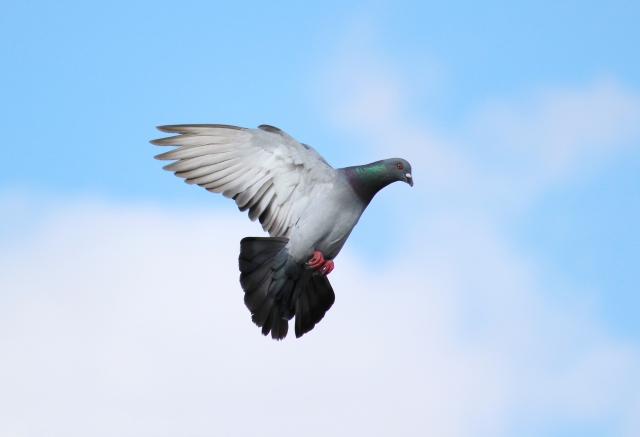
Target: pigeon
<point x="307" y="207"/>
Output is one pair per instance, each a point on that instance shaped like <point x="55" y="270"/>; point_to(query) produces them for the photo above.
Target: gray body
<point x="327" y="222"/>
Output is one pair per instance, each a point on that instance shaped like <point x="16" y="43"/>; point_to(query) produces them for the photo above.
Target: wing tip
<point x="269" y="128"/>
<point x="180" y="128"/>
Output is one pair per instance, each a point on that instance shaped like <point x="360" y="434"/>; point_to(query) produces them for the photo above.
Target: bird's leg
<point x="317" y="262"/>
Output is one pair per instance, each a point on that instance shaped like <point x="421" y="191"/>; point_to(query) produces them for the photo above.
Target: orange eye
<point x="399" y="166"/>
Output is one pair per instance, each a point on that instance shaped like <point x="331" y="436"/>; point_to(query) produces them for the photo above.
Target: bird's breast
<point x="325" y="225"/>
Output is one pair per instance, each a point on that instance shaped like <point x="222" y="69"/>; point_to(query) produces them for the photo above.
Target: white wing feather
<point x="264" y="170"/>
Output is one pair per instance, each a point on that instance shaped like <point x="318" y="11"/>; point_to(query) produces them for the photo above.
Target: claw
<point x="327" y="267"/>
<point x="317" y="262"/>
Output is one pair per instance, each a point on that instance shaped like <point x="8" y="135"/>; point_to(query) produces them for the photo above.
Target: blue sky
<point x="522" y="123"/>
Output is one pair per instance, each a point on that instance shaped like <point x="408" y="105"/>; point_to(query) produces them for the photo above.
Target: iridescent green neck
<point x="368" y="179"/>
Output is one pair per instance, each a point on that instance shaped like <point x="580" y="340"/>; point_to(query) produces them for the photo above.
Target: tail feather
<point x="252" y="280"/>
<point x="314" y="302"/>
<point x="268" y="321"/>
<point x="258" y="296"/>
<point x="252" y="246"/>
<point x="279" y="326"/>
<point x="277" y="288"/>
<point x="261" y="314"/>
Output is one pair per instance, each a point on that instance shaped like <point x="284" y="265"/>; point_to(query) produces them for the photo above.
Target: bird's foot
<point x="327" y="267"/>
<point x="317" y="262"/>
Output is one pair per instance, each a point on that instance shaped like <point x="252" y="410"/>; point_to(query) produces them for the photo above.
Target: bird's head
<point x="368" y="179"/>
<point x="399" y="170"/>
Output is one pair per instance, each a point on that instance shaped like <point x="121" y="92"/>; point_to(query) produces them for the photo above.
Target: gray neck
<point x="366" y="180"/>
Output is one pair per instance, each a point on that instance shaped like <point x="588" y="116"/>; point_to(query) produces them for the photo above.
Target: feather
<point x="281" y="223"/>
<point x="296" y="210"/>
<point x="269" y="161"/>
<point x="284" y="192"/>
<point x="270" y="214"/>
<point x="215" y="176"/>
<point x="203" y="129"/>
<point x="302" y="314"/>
<point x="231" y="181"/>
<point x="262" y="205"/>
<point x="252" y="194"/>
<point x="272" y="129"/>
<point x="280" y="326"/>
<point x="213" y="185"/>
<point x="197" y="150"/>
<point x="261" y="316"/>
<point x="208" y="169"/>
<point x="252" y="247"/>
<point x="254" y="300"/>
<point x="235" y="189"/>
<point x="255" y="200"/>
<point x="193" y="163"/>
<point x="252" y="280"/>
<point x="191" y="140"/>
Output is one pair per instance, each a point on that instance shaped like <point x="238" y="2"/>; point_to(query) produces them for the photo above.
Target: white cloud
<point x="130" y="321"/>
<point x="559" y="129"/>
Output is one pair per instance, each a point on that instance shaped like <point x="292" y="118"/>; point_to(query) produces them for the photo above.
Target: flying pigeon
<point x="307" y="207"/>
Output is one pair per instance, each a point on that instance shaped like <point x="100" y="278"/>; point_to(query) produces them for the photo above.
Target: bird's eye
<point x="399" y="166"/>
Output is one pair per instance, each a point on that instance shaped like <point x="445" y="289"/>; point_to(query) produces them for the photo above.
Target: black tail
<point x="277" y="288"/>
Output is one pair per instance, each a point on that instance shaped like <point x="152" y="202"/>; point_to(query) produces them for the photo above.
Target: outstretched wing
<point x="264" y="170"/>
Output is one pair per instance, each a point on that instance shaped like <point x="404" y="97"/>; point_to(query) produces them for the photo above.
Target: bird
<point x="308" y="208"/>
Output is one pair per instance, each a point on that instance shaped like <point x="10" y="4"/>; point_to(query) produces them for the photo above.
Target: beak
<point x="409" y="178"/>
